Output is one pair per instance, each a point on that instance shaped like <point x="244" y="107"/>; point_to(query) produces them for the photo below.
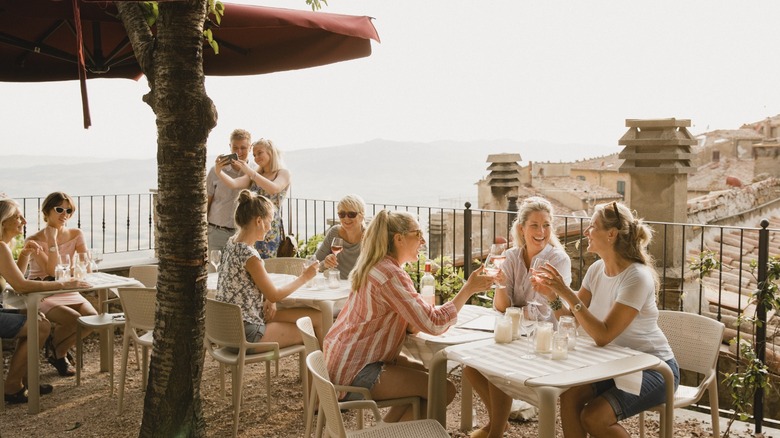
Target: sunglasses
<point x="418" y="232"/>
<point x="349" y="214"/>
<point x="66" y="210"/>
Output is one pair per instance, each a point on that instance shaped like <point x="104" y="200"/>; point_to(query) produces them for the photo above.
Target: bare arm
<point x="10" y="271"/>
<point x="476" y="283"/>
<point x="242" y="182"/>
<point x="281" y="181"/>
<point x="263" y="281"/>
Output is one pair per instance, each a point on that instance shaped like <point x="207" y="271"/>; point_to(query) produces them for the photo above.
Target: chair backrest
<point x="284" y="265"/>
<point x="329" y="401"/>
<point x="306" y="328"/>
<point x="695" y="339"/>
<point x="146" y="274"/>
<point x="224" y="325"/>
<point x="139" y="305"/>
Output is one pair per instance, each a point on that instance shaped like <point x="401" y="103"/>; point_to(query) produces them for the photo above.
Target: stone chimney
<point x="504" y="177"/>
<point x="658" y="157"/>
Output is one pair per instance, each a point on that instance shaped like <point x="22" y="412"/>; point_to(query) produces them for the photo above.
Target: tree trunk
<point x="173" y="64"/>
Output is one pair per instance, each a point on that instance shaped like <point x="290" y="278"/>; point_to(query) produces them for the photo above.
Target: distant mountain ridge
<point x="381" y="171"/>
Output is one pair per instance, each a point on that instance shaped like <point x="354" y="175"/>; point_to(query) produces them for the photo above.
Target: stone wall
<point x="738" y="205"/>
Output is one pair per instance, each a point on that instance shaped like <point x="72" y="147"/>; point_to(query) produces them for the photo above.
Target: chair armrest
<point x="363" y="404"/>
<point x="358" y="389"/>
<point x="263" y="347"/>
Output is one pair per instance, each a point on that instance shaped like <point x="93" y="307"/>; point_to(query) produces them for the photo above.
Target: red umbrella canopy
<point x="38" y="41"/>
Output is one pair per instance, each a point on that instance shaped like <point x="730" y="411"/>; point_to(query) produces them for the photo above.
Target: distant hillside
<point x="379" y="170"/>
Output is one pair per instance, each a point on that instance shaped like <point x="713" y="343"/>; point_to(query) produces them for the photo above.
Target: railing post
<point x="467" y="240"/>
<point x="760" y="345"/>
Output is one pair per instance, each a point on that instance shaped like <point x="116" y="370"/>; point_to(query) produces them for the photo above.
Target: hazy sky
<point x="563" y="71"/>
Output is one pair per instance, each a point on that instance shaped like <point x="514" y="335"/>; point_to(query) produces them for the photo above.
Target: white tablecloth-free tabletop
<point x="322" y="298"/>
<point x="503" y="366"/>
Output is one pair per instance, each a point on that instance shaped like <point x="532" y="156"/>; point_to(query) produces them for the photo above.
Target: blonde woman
<point x="362" y="348"/>
<point x="615" y="304"/>
<point x="13" y="325"/>
<point x="271" y="180"/>
<point x="65" y="309"/>
<point x="534" y="237"/>
<point x="351" y="211"/>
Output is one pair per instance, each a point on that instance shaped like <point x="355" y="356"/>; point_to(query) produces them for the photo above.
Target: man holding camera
<point x="222" y="199"/>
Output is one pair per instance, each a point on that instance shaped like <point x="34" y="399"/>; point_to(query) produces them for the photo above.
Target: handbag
<point x="288" y="247"/>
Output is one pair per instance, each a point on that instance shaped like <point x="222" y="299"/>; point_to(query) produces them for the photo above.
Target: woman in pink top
<point x="62" y="309"/>
<point x="362" y="348"/>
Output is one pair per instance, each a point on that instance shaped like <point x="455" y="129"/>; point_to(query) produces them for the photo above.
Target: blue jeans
<point x="652" y="393"/>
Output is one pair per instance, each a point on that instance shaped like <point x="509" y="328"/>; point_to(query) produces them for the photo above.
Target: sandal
<point x="63" y="366"/>
<point x="17" y="398"/>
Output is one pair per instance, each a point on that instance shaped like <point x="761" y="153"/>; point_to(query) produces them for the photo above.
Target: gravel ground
<point x="90" y="411"/>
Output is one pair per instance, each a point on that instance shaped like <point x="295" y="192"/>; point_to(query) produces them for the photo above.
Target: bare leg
<point x="573" y="403"/>
<point x="66" y="319"/>
<point x="405" y="379"/>
<point x="498" y="404"/>
<point x="17" y="367"/>
<point x="599" y="420"/>
<point x="290" y="316"/>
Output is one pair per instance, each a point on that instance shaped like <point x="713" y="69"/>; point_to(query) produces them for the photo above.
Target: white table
<point x="99" y="281"/>
<point x="423" y="347"/>
<point x="324" y="299"/>
<point x="503" y="366"/>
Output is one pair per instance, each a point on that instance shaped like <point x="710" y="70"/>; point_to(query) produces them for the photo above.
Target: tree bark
<point x="173" y="63"/>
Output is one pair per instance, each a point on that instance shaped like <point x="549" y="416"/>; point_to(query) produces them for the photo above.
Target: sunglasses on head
<point x="349" y="214"/>
<point x="66" y="210"/>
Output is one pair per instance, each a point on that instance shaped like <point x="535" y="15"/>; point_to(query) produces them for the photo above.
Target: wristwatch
<point x="577" y="307"/>
<point x="52" y="249"/>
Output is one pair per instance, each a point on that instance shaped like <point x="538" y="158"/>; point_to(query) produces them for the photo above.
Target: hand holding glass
<point x="337" y="245"/>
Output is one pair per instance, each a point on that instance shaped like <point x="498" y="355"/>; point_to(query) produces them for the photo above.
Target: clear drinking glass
<point x="63" y="266"/>
<point x="215" y="258"/>
<point x="97" y="257"/>
<point x="336" y="245"/>
<point x="528" y="324"/>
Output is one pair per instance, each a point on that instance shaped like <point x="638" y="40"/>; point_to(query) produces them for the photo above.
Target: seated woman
<point x="616" y="303"/>
<point x="14" y="325"/>
<point x="271" y="179"/>
<point x="534" y="237"/>
<point x="362" y="348"/>
<point x="65" y="309"/>
<point x="244" y="281"/>
<point x="351" y="211"/>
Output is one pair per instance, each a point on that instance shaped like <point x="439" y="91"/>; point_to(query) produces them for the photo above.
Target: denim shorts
<point x="253" y="333"/>
<point x="366" y="378"/>
<point x="11" y="323"/>
<point x="652" y="393"/>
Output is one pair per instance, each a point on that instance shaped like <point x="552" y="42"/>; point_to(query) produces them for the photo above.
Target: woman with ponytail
<point x="616" y="303"/>
<point x="362" y="348"/>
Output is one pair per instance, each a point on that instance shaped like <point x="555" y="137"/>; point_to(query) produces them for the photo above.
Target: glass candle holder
<point x="515" y="313"/>
<point x="543" y="337"/>
<point x="560" y="346"/>
<point x="568" y="326"/>
<point x="502" y="332"/>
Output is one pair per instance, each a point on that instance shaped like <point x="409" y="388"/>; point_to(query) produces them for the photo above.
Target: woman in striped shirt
<point x="362" y="348"/>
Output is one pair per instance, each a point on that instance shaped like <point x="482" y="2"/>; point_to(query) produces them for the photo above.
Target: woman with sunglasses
<point x="616" y="303"/>
<point x="271" y="180"/>
<point x="63" y="310"/>
<point x="351" y="212"/>
<point x="13" y="325"/>
<point x="363" y="347"/>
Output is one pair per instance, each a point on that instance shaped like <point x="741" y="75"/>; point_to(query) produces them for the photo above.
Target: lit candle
<point x="503" y="330"/>
<point x="543" y="337"/>
<point x="515" y="313"/>
<point x="560" y="348"/>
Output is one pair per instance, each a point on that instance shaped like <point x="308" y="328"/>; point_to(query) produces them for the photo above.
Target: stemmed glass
<point x="63" y="266"/>
<point x="536" y="266"/>
<point x="495" y="259"/>
<point x="528" y="324"/>
<point x="97" y="257"/>
<point x="337" y="245"/>
<point x="215" y="258"/>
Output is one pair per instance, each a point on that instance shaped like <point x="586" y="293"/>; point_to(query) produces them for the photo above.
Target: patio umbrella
<point x="38" y="41"/>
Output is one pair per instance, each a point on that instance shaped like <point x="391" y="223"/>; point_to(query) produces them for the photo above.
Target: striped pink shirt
<point x="372" y="325"/>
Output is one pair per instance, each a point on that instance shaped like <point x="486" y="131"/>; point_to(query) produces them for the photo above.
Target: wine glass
<point x="495" y="259"/>
<point x="215" y="258"/>
<point x="536" y="265"/>
<point x="528" y="324"/>
<point x="63" y="265"/>
<point x="97" y="257"/>
<point x="337" y="245"/>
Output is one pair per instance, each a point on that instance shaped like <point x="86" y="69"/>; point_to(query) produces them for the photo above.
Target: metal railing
<point x="125" y="223"/>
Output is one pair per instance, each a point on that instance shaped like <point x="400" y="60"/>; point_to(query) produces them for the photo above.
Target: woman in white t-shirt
<point x="616" y="303"/>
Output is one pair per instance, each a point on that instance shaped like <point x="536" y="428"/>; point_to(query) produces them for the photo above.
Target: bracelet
<point x="556" y="304"/>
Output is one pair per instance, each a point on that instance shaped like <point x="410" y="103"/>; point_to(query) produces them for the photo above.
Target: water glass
<point x="334" y="278"/>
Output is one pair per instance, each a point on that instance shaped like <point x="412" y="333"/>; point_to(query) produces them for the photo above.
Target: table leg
<point x="466" y="405"/>
<point x="106" y="343"/>
<point x="437" y="388"/>
<point x="33" y="352"/>
<point x="326" y="309"/>
<point x="548" y="399"/>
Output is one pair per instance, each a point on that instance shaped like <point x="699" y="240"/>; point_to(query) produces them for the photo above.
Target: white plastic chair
<point x="139" y="305"/>
<point x="311" y="343"/>
<point x="146" y="274"/>
<point x="334" y="426"/>
<point x="105" y="322"/>
<point x="695" y="341"/>
<point x="227" y="344"/>
<point x="284" y="265"/>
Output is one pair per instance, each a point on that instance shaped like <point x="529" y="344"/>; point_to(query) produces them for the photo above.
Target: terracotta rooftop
<point x="575" y="187"/>
<point x="713" y="176"/>
<point x="607" y="162"/>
